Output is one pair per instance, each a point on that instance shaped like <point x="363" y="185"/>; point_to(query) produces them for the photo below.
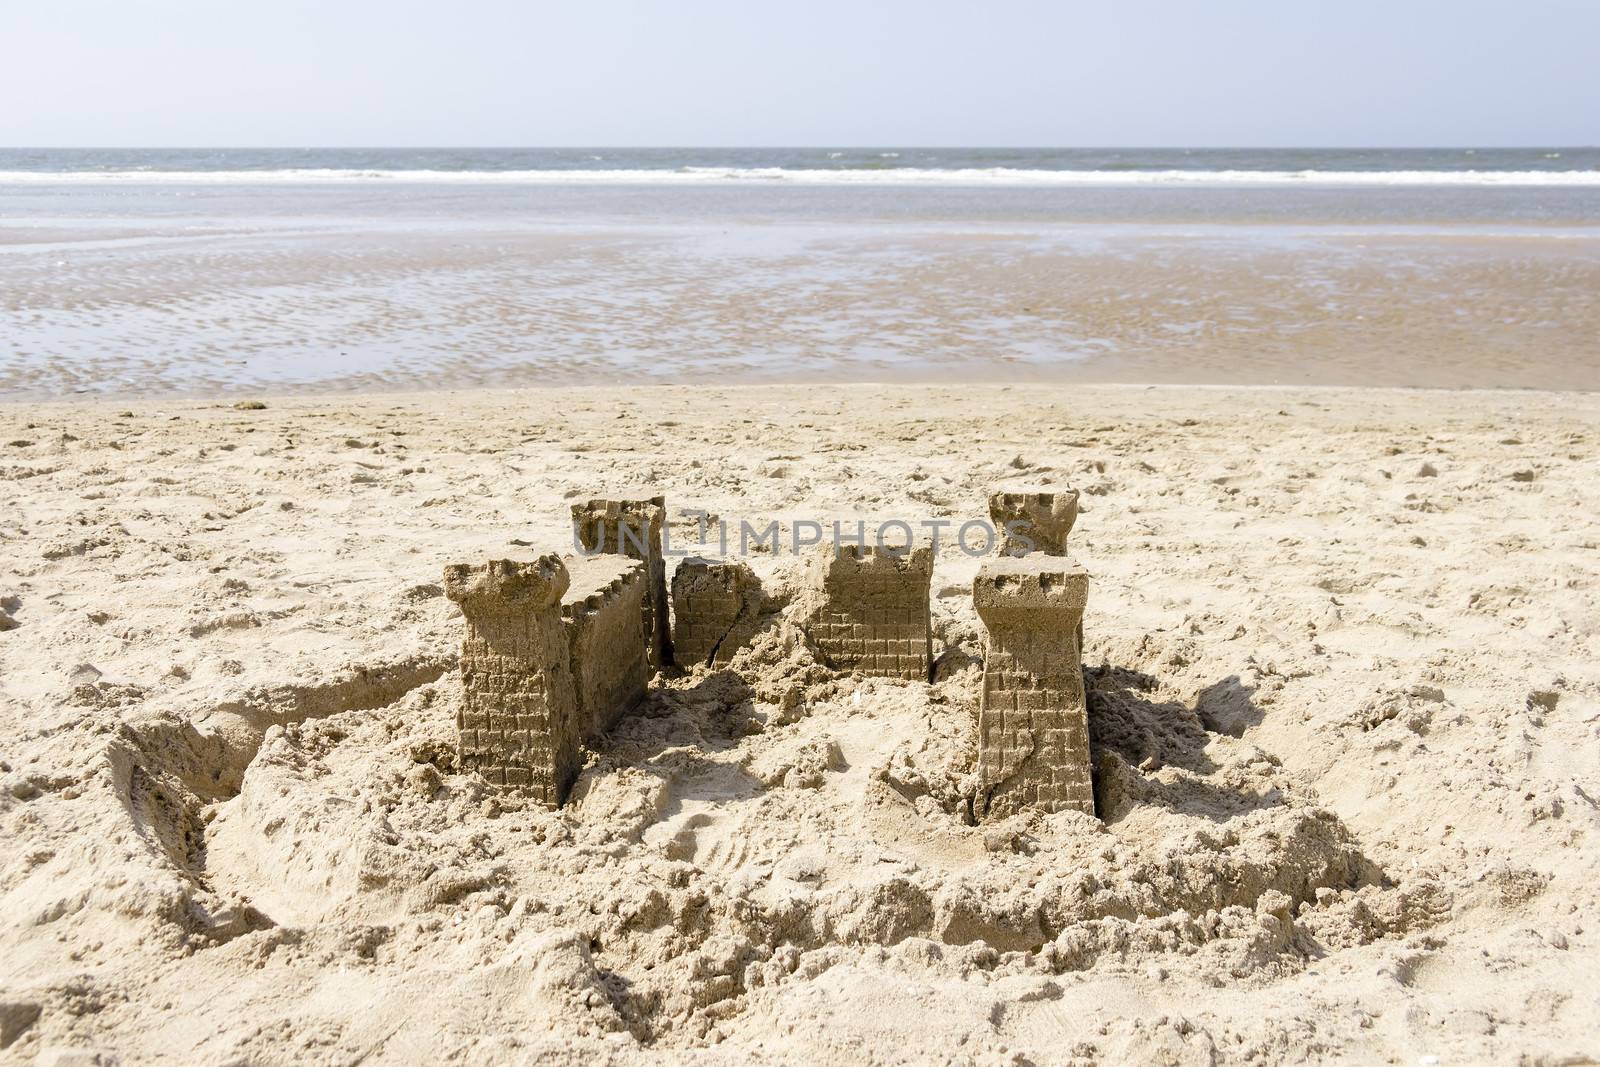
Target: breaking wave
<point x="998" y="176"/>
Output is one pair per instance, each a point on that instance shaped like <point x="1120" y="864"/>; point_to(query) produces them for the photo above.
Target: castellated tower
<point x="555" y="655"/>
<point x="1041" y="519"/>
<point x="631" y="526"/>
<point x="1035" y="520"/>
<point x="604" y="617"/>
<point x="518" y="721"/>
<point x="714" y="609"/>
<point x="1033" y="725"/>
<point x="867" y="609"/>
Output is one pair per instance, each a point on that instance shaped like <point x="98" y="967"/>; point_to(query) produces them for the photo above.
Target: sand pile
<point x="1347" y="778"/>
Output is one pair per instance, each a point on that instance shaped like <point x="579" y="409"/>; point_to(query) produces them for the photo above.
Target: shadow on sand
<point x="1133" y="736"/>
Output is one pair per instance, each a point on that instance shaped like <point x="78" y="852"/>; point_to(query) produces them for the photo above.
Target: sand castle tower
<point x="1033" y="724"/>
<point x="518" y="721"/>
<point x="554" y="655"/>
<point x="867" y="609"/>
<point x="630" y="526"/>
<point x="1034" y="520"/>
<point x="714" y="608"/>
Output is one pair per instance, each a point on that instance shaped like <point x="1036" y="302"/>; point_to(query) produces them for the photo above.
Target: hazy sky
<point x="799" y="72"/>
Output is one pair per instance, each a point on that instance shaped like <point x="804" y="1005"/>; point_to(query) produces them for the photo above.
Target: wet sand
<point x="201" y="303"/>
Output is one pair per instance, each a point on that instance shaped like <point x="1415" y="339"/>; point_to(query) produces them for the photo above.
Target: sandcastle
<point x="558" y="650"/>
<point x="714" y="608"/>
<point x="1034" y="520"/>
<point x="868" y="609"/>
<point x="606" y="639"/>
<point x="553" y="656"/>
<point x="517" y="725"/>
<point x="1033" y="739"/>
<point x="1033" y="725"/>
<point x="631" y="526"/>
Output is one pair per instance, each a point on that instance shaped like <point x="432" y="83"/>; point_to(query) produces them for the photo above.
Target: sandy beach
<point x="857" y="535"/>
<point x="1344" y="694"/>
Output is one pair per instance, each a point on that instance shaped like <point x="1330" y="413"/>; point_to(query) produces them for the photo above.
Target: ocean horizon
<point x="885" y="165"/>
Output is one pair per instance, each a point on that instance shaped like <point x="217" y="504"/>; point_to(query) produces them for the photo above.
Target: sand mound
<point x="749" y="827"/>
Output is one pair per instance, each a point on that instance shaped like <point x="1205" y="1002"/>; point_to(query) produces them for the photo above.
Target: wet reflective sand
<point x="162" y="290"/>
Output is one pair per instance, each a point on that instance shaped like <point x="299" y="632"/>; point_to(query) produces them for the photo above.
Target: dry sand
<point x="1345" y="687"/>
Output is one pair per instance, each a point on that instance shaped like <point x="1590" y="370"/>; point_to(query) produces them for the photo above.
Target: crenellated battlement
<point x="559" y="649"/>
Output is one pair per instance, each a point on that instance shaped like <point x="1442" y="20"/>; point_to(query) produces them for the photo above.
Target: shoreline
<point x="219" y="399"/>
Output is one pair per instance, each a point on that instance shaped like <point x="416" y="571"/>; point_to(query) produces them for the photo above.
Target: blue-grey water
<point x="1541" y="162"/>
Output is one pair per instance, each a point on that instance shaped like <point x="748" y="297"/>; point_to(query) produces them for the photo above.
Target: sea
<point x="819" y="166"/>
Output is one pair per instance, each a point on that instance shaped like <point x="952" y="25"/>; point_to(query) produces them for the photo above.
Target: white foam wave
<point x="780" y="175"/>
